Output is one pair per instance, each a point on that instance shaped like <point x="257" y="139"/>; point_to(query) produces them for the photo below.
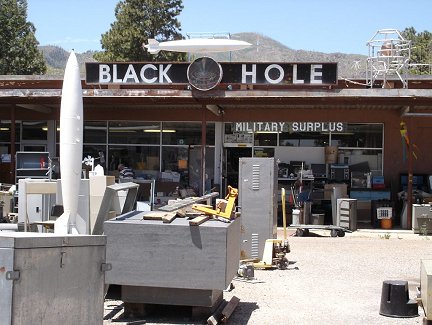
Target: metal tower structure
<point x="389" y="55"/>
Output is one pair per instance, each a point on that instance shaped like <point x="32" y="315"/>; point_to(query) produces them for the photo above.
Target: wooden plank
<point x="229" y="308"/>
<point x="198" y="220"/>
<point x="41" y="187"/>
<point x="204" y="205"/>
<point x="215" y="317"/>
<point x="169" y="217"/>
<point x="181" y="213"/>
<point x="187" y="202"/>
<point x="153" y="215"/>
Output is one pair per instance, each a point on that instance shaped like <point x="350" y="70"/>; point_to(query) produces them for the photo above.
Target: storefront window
<point x="359" y="145"/>
<point x="143" y="159"/>
<point x="367" y="160"/>
<point x="265" y="139"/>
<point x="182" y="164"/>
<point x="134" y="132"/>
<point x="175" y="165"/>
<point x="5" y="140"/>
<point x="97" y="152"/>
<point x="303" y="139"/>
<point x="263" y="152"/>
<point x="5" y="131"/>
<point x="95" y="132"/>
<point x="236" y="137"/>
<point x="34" y="130"/>
<point x="186" y="133"/>
<point x="359" y="136"/>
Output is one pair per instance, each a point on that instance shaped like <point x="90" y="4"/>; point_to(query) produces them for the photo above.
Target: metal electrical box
<point x="51" y="279"/>
<point x="258" y="202"/>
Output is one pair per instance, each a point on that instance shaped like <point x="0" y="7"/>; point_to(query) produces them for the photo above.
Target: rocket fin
<point x="152" y="46"/>
<point x="61" y="224"/>
<point x="74" y="223"/>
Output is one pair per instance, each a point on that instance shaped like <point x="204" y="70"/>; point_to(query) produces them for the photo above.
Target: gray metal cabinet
<point x="51" y="279"/>
<point x="258" y="202"/>
<point x="346" y="212"/>
<point x="171" y="263"/>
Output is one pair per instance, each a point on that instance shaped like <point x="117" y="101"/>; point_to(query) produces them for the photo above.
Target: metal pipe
<point x="410" y="179"/>
<point x="203" y="149"/>
<point x="417" y="114"/>
<point x="284" y="212"/>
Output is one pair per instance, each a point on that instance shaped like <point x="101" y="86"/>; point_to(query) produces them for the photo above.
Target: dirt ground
<point x="329" y="281"/>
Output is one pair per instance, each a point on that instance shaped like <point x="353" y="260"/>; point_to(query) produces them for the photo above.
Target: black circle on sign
<point x="204" y="73"/>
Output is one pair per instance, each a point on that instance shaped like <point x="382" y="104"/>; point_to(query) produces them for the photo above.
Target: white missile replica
<point x="71" y="141"/>
<point x="196" y="45"/>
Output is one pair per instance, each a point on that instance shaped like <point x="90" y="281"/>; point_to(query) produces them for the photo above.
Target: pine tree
<point x="19" y="54"/>
<point x="137" y="21"/>
<point x="421" y="50"/>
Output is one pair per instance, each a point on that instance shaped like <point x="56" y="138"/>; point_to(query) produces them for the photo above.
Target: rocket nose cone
<point x="72" y="61"/>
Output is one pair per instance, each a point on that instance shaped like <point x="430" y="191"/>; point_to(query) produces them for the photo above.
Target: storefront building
<point x="189" y="133"/>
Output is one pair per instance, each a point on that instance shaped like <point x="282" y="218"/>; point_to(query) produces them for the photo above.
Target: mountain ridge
<point x="263" y="49"/>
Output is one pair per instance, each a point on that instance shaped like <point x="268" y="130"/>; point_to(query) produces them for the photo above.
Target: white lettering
<point x="316" y="76"/>
<point x="324" y="127"/>
<point x="310" y="126"/>
<point x="274" y="127"/>
<point x="248" y="127"/>
<point x="282" y="125"/>
<point x="259" y="125"/>
<point x="142" y="73"/>
<point x="238" y="127"/>
<point x="115" y="77"/>
<point x="267" y="71"/>
<point x="295" y="127"/>
<point x="163" y="73"/>
<point x="295" y="80"/>
<point x="302" y="127"/>
<point x="332" y="126"/>
<point x="317" y="126"/>
<point x="130" y="74"/>
<point x="104" y="73"/>
<point x="267" y="127"/>
<point x="246" y="73"/>
<point x="340" y="126"/>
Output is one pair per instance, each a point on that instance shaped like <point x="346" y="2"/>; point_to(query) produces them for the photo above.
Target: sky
<point x="313" y="25"/>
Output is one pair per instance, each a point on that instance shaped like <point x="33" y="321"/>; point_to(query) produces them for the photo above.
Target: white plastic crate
<point x="384" y="213"/>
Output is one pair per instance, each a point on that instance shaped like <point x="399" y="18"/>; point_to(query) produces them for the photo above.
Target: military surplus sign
<point x="249" y="127"/>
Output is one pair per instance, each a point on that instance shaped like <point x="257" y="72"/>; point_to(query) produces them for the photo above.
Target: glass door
<point x="231" y="165"/>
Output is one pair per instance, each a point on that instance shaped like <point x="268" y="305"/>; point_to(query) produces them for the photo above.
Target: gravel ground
<point x="329" y="281"/>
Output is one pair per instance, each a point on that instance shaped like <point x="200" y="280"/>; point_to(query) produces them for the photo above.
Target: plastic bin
<point x="386" y="223"/>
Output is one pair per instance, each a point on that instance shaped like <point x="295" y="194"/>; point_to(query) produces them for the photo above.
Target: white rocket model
<point x="196" y="45"/>
<point x="71" y="142"/>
